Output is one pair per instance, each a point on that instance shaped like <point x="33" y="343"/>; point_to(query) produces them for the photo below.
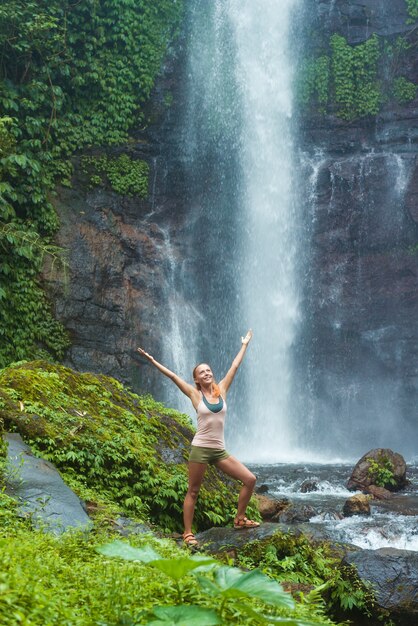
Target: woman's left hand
<point x="246" y="340"/>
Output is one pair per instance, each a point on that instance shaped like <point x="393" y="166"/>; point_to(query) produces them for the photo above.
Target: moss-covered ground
<point x="114" y="448"/>
<point x="125" y="455"/>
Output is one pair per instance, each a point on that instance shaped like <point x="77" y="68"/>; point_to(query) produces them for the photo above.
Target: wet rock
<point x="126" y="527"/>
<point x="230" y="541"/>
<point x="400" y="504"/>
<point x="394" y="577"/>
<point x="308" y="485"/>
<point x="269" y="507"/>
<point x="363" y="476"/>
<point x="380" y="493"/>
<point x="262" y="489"/>
<point x="40" y="490"/>
<point x="296" y="514"/>
<point x="357" y="505"/>
<point x="216" y="540"/>
<point x="330" y="515"/>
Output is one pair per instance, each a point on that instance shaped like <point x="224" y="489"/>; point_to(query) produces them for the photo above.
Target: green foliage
<point x="46" y="579"/>
<point x="404" y="90"/>
<point x="184" y="615"/>
<point x="109" y="443"/>
<point x="356" y="91"/>
<point x="50" y="580"/>
<point x="228" y="587"/>
<point x="124" y="175"/>
<point x="3" y="456"/>
<point x="27" y="326"/>
<point x="354" y="81"/>
<point x="412" y="9"/>
<point x="72" y="75"/>
<point x="314" y="82"/>
<point x="381" y="471"/>
<point x="298" y="562"/>
<point x="7" y="141"/>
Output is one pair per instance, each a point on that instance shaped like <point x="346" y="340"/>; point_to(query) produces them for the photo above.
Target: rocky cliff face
<point x="120" y="250"/>
<point x="361" y="290"/>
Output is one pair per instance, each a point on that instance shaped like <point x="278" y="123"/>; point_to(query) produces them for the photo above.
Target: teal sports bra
<point x="215" y="408"/>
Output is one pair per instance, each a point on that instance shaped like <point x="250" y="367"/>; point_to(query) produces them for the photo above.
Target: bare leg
<point x="196" y="474"/>
<point x="237" y="470"/>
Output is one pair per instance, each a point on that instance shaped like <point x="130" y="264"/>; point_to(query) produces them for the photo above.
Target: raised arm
<point x="190" y="391"/>
<point x="225" y="383"/>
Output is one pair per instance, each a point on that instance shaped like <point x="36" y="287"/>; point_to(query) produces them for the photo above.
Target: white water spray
<point x="264" y="72"/>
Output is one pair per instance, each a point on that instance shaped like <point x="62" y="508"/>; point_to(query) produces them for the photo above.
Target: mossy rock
<point x="3" y="449"/>
<point x="110" y="444"/>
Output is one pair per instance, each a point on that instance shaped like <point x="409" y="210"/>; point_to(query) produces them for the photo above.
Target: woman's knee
<point x="193" y="492"/>
<point x="250" y="481"/>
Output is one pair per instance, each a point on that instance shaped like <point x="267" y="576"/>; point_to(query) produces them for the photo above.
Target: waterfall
<point x="269" y="235"/>
<point x="241" y="236"/>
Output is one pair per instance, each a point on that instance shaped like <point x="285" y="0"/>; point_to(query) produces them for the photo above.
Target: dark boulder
<point x="296" y="514"/>
<point x="394" y="577"/>
<point x="364" y="474"/>
<point x="262" y="489"/>
<point x="217" y="540"/>
<point x="40" y="490"/>
<point x="308" y="485"/>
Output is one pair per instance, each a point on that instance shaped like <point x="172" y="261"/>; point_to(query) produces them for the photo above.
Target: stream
<point x="392" y="523"/>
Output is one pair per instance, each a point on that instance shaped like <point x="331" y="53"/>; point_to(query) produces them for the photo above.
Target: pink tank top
<point x="210" y="427"/>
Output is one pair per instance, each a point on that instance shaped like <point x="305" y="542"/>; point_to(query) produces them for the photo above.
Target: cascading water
<point x="238" y="153"/>
<point x="267" y="273"/>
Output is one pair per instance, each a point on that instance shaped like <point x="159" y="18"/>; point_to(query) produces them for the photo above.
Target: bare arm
<point x="188" y="390"/>
<point x="226" y="382"/>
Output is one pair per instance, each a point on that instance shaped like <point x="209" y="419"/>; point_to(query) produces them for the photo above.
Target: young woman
<point x="208" y="446"/>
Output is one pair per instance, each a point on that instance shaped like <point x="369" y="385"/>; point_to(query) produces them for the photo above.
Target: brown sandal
<point x="190" y="540"/>
<point x="244" y="522"/>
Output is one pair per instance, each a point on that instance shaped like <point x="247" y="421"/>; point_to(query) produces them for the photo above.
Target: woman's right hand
<point x="145" y="354"/>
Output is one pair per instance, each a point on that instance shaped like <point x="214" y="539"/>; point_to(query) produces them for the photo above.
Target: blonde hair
<point x="214" y="389"/>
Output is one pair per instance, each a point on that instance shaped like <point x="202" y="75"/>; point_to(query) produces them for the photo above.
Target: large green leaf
<point x="230" y="582"/>
<point x="184" y="615"/>
<point x="175" y="568"/>
<point x="125" y="551"/>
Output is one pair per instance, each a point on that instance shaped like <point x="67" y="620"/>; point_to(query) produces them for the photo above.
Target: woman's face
<point x="203" y="374"/>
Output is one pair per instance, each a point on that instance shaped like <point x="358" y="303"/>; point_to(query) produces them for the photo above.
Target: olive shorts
<point x="207" y="455"/>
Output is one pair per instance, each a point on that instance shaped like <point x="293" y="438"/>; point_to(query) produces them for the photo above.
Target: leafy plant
<point x="356" y="89"/>
<point x="124" y="175"/>
<point x="229" y="584"/>
<point x="353" y="81"/>
<point x="296" y="561"/>
<point x="45" y="579"/>
<point x="184" y="615"/>
<point x="412" y="9"/>
<point x="404" y="90"/>
<point x="381" y="471"/>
